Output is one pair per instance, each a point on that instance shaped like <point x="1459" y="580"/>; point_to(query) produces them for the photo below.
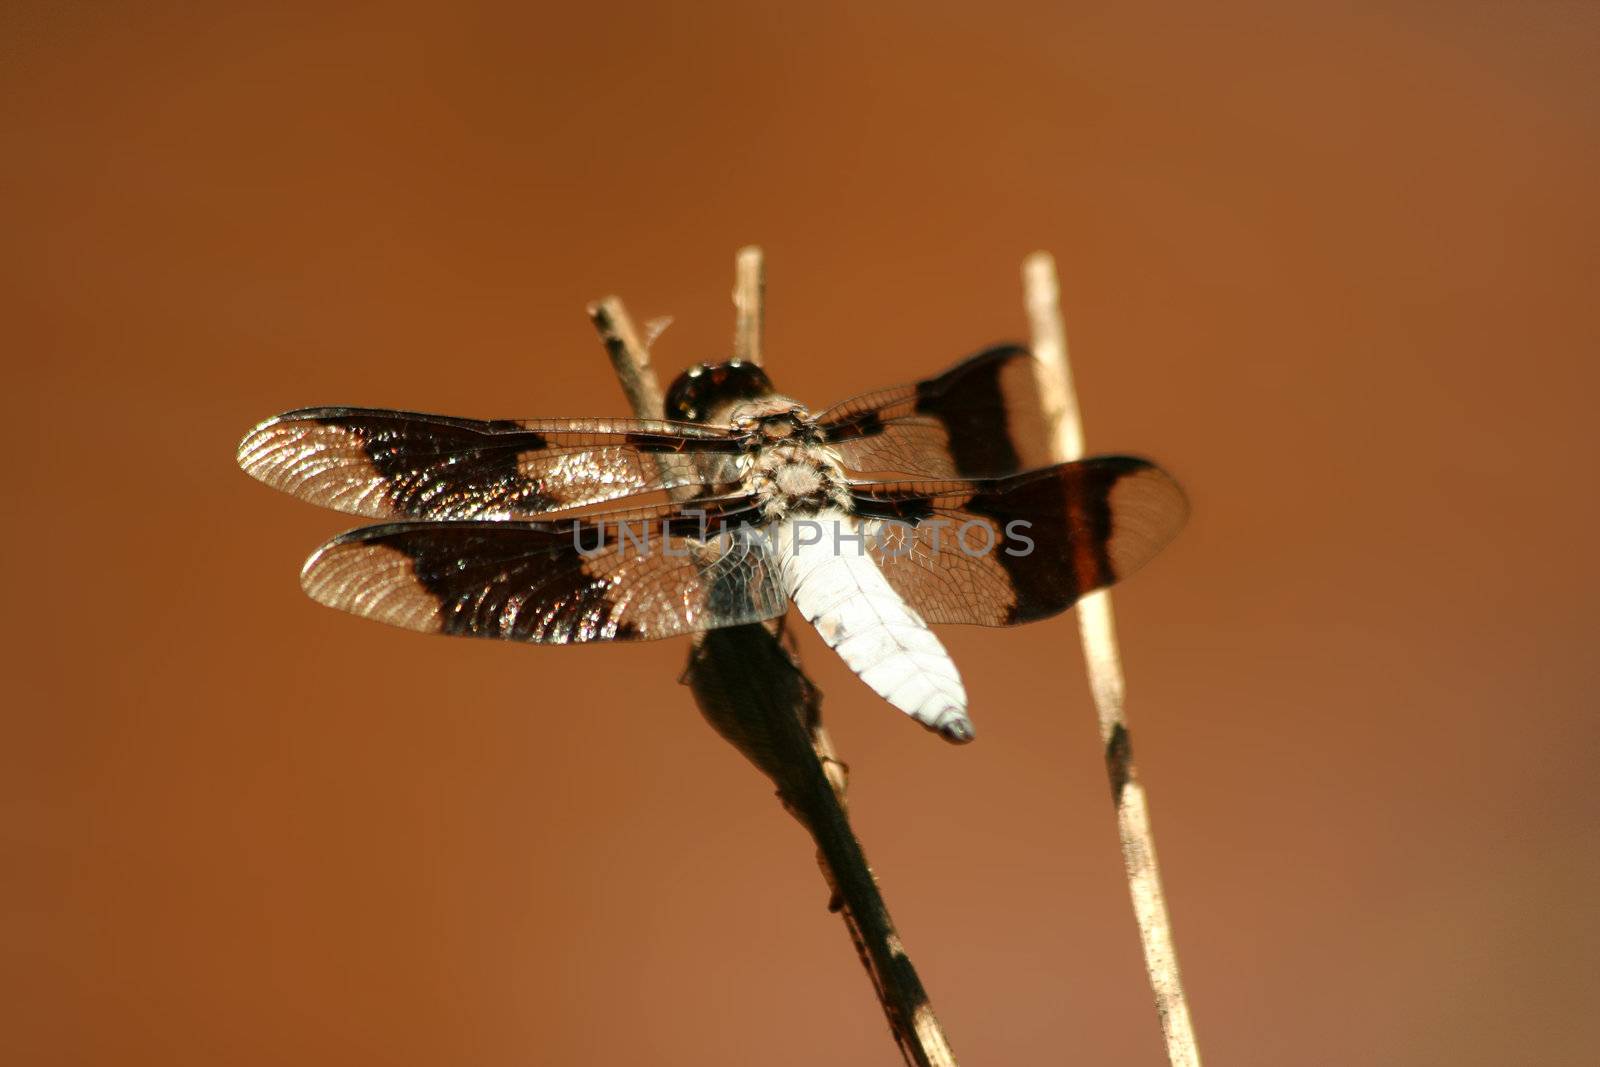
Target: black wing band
<point x="400" y="464"/>
<point x="979" y="419"/>
<point x="648" y="574"/>
<point x="1013" y="550"/>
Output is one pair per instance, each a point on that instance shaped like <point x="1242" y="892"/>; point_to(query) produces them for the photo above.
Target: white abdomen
<point x="840" y="590"/>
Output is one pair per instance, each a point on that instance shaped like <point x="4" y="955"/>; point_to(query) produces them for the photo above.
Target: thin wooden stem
<point x="629" y="358"/>
<point x="1098" y="636"/>
<point x="749" y="684"/>
<point x="749" y="304"/>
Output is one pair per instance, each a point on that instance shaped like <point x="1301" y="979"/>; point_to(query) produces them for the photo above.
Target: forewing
<point x="400" y="464"/>
<point x="979" y="419"/>
<point x="668" y="572"/>
<point x="1013" y="550"/>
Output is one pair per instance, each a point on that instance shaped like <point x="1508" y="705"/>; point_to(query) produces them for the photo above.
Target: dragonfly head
<point x="710" y="391"/>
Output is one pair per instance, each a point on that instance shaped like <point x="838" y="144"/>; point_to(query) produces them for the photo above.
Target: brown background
<point x="1335" y="270"/>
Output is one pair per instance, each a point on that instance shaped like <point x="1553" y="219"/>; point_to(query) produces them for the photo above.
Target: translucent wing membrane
<point x="979" y="419"/>
<point x="967" y="540"/>
<point x="1012" y="550"/>
<point x="400" y="464"/>
<point x="665" y="573"/>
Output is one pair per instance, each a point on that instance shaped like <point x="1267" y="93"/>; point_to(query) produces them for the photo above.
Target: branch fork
<point x="751" y="687"/>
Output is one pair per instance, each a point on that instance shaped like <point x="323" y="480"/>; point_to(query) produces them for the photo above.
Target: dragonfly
<point x="925" y="504"/>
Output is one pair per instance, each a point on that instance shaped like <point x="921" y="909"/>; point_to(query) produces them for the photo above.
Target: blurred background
<point x="1334" y="268"/>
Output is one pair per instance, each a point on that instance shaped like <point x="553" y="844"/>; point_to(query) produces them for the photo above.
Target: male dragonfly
<point x="928" y="503"/>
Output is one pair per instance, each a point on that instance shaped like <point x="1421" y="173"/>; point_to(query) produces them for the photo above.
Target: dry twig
<point x="1097" y="632"/>
<point x="750" y="686"/>
<point x="629" y="358"/>
<point x="749" y="304"/>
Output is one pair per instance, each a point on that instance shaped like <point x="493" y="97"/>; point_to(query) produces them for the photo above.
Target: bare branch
<point x="750" y="686"/>
<point x="629" y="358"/>
<point x="749" y="302"/>
<point x="1098" y="636"/>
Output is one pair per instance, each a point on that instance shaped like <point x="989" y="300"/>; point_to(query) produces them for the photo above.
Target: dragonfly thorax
<point x="794" y="478"/>
<point x="773" y="419"/>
